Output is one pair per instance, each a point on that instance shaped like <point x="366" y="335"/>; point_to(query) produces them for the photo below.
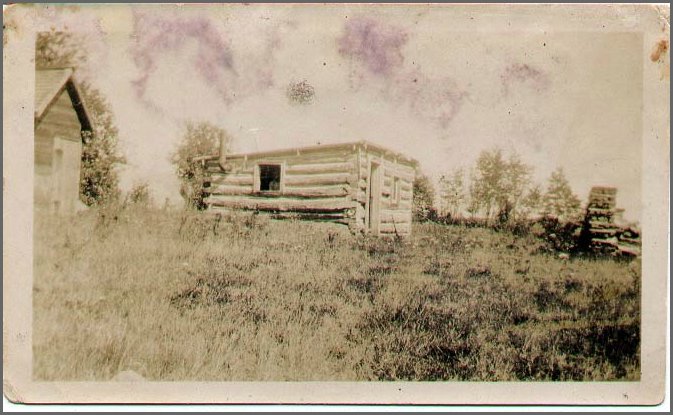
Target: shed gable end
<point x="60" y="120"/>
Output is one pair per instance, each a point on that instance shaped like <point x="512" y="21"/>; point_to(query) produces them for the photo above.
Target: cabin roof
<point x="317" y="148"/>
<point x="49" y="84"/>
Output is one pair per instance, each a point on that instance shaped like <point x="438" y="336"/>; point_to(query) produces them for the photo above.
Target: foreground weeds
<point x="187" y="296"/>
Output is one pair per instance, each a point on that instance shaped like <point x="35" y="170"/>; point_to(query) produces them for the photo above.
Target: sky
<point x="413" y="80"/>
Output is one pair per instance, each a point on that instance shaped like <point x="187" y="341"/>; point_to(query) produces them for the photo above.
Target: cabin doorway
<point x="374" y="199"/>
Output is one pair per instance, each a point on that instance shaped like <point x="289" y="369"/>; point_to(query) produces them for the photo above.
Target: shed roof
<point x="316" y="148"/>
<point x="49" y="84"/>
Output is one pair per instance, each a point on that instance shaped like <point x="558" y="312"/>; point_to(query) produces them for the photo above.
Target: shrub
<point x="139" y="195"/>
<point x="558" y="236"/>
<point x="199" y="139"/>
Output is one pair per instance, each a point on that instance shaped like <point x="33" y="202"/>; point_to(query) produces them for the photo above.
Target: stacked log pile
<point x="601" y="232"/>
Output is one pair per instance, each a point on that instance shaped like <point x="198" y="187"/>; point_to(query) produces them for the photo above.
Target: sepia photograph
<point x="415" y="199"/>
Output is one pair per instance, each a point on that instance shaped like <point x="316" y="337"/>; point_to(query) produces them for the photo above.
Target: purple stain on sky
<point x="439" y="99"/>
<point x="265" y="66"/>
<point x="376" y="45"/>
<point x="524" y="74"/>
<point x="154" y="36"/>
<point x="451" y="101"/>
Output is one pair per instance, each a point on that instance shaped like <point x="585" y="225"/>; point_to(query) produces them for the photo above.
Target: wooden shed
<point x="363" y="185"/>
<point x="60" y="118"/>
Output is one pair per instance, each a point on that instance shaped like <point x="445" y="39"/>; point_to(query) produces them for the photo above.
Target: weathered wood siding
<point x="67" y="174"/>
<point x="329" y="184"/>
<point x="58" y="150"/>
<point x="61" y="121"/>
<point x="395" y="208"/>
<point x="315" y="185"/>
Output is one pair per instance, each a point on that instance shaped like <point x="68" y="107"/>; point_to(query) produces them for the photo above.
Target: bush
<point x="140" y="195"/>
<point x="199" y="139"/>
<point x="563" y="237"/>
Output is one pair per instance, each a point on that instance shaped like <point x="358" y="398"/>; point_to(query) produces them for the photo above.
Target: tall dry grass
<point x="186" y="296"/>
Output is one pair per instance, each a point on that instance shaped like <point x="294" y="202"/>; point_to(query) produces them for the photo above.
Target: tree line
<point x="498" y="189"/>
<point x="101" y="155"/>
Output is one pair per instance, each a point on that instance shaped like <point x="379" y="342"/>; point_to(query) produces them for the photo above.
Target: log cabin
<point x="360" y="184"/>
<point x="60" y="119"/>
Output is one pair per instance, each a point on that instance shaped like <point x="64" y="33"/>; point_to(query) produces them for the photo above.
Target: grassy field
<point x="176" y="296"/>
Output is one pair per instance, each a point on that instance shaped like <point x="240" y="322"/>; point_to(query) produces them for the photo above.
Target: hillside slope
<point x="175" y="296"/>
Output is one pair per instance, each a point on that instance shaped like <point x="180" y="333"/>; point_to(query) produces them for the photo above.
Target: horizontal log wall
<point x="290" y="191"/>
<point x="320" y="168"/>
<point x="316" y="186"/>
<point x="334" y="156"/>
<point x="319" y="179"/>
<point x="281" y="203"/>
<point x="345" y="215"/>
<point x="344" y="218"/>
<point x="232" y="179"/>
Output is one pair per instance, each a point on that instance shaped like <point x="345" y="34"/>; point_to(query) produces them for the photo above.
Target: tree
<point x="486" y="179"/>
<point x="199" y="139"/>
<point x="99" y="180"/>
<point x="498" y="184"/>
<point x="531" y="204"/>
<point x="58" y="50"/>
<point x="559" y="199"/>
<point x="452" y="192"/>
<point x="424" y="197"/>
<point x="516" y="179"/>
